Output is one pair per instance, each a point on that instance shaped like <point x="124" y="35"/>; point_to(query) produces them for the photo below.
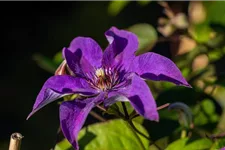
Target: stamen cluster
<point x="104" y="78"/>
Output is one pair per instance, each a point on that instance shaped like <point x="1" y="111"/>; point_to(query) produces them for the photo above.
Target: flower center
<point x="105" y="79"/>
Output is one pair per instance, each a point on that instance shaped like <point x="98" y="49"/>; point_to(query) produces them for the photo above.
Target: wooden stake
<point x="15" y="141"/>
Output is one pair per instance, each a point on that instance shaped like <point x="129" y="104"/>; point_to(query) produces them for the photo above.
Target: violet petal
<point x="90" y="49"/>
<point x="58" y="86"/>
<point x="77" y="63"/>
<point x="84" y="55"/>
<point x="141" y="99"/>
<point x="73" y="115"/>
<point x="159" y="68"/>
<point x="121" y="49"/>
<point x="114" y="97"/>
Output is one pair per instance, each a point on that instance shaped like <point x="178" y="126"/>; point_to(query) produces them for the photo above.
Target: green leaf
<point x="115" y="7"/>
<point x="201" y="144"/>
<point x="111" y="135"/>
<point x="208" y="106"/>
<point x="189" y="144"/>
<point x="144" y="3"/>
<point x="58" y="57"/>
<point x="200" y="32"/>
<point x="45" y="63"/>
<point x="147" y="36"/>
<point x="177" y="145"/>
<point x="205" y="113"/>
<point x="128" y="106"/>
<point x="63" y="145"/>
<point x="214" y="55"/>
<point x="220" y="143"/>
<point x="215" y="12"/>
<point x="117" y="109"/>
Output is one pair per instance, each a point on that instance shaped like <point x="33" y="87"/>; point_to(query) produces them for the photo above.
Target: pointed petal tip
<point x="185" y="84"/>
<point x="28" y="117"/>
<point x="31" y="113"/>
<point x="154" y="117"/>
<point x="188" y="86"/>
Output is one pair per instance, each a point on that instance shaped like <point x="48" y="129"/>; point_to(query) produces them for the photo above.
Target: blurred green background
<point x="192" y="34"/>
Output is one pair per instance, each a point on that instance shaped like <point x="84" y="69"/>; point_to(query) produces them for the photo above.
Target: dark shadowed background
<point x="28" y="28"/>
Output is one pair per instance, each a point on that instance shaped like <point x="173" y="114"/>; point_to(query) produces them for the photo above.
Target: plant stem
<point x="142" y="134"/>
<point x="163" y="106"/>
<point x="158" y="108"/>
<point x="15" y="141"/>
<point x="95" y="115"/>
<point x="139" y="140"/>
<point x="131" y="125"/>
<point x="125" y="110"/>
<point x="101" y="108"/>
<point x="135" y="130"/>
<point x="183" y="133"/>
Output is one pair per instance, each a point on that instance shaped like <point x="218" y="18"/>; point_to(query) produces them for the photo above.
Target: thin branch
<point x="158" y="108"/>
<point x="125" y="110"/>
<point x="135" y="129"/>
<point x="218" y="136"/>
<point x="163" y="106"/>
<point x="97" y="116"/>
<point x="15" y="141"/>
<point x="135" y="133"/>
<point x="142" y="134"/>
<point x="101" y="108"/>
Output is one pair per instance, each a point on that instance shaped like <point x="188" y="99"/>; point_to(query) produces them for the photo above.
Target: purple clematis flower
<point x="115" y="75"/>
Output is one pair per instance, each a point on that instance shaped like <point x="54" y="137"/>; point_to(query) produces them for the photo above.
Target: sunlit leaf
<point x="143" y="3"/>
<point x="189" y="144"/>
<point x="214" y="55"/>
<point x="219" y="143"/>
<point x="215" y="12"/>
<point x="200" y="32"/>
<point x="115" y="7"/>
<point x="205" y="113"/>
<point x="208" y="106"/>
<point x="201" y="144"/>
<point x="177" y="145"/>
<point x="111" y="135"/>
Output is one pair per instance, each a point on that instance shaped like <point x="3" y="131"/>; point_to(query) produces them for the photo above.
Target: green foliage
<point x="185" y="114"/>
<point x="115" y="7"/>
<point x="147" y="36"/>
<point x="45" y="63"/>
<point x="219" y="143"/>
<point x="189" y="144"/>
<point x="201" y="33"/>
<point x="177" y="145"/>
<point x="143" y="2"/>
<point x="215" y="12"/>
<point x="203" y="105"/>
<point x="205" y="113"/>
<point x="107" y="135"/>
